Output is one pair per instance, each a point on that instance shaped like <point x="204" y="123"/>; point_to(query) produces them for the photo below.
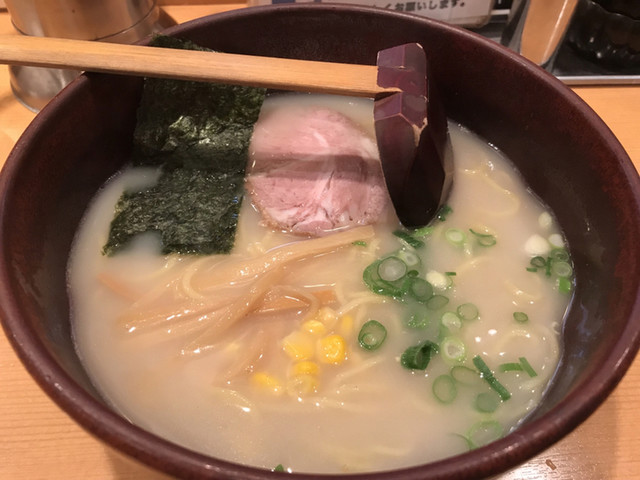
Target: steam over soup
<point x="366" y="348"/>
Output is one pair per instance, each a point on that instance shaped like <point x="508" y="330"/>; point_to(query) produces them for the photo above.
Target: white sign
<point x="469" y="13"/>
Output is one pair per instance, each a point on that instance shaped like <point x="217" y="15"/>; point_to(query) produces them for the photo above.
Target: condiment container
<point x="118" y="21"/>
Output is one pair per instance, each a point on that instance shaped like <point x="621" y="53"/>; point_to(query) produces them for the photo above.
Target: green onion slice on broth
<point x="467" y="311"/>
<point x="526" y="366"/>
<point x="484" y="239"/>
<point x="417" y="357"/>
<point x="487" y="402"/>
<point x="411" y="240"/>
<point x="565" y="285"/>
<point x="436" y="302"/>
<point x="391" y="269"/>
<point x="420" y="289"/>
<point x="444" y="212"/>
<point x="372" y="335"/>
<point x="520" y="317"/>
<point x="451" y="321"/>
<point x="453" y="350"/>
<point x="455" y="237"/>
<point x="490" y="378"/>
<point x="510" y="367"/>
<point x="444" y="389"/>
<point x="466" y="376"/>
<point x="484" y="432"/>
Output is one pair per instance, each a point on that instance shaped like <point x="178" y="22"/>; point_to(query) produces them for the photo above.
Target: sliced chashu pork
<point x="313" y="170"/>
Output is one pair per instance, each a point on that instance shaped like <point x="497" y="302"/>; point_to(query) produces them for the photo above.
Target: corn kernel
<point x="304" y="368"/>
<point x="301" y="385"/>
<point x="346" y="326"/>
<point x="314" y="327"/>
<point x="331" y="349"/>
<point x="266" y="382"/>
<point x="298" y="346"/>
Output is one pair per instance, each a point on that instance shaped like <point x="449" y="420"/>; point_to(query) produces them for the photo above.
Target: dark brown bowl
<point x="566" y="153"/>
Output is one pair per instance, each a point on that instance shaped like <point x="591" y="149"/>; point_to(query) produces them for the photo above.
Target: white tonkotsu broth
<point x="248" y="399"/>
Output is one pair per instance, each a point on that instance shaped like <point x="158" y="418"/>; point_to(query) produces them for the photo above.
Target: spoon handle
<point x="269" y="72"/>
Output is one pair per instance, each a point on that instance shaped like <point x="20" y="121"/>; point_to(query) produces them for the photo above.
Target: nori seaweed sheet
<point x="198" y="133"/>
<point x="211" y="223"/>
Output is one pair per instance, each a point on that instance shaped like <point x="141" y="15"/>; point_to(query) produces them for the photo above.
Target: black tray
<point x="568" y="65"/>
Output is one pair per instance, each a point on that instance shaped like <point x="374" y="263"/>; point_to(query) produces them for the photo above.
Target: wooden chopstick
<point x="269" y="72"/>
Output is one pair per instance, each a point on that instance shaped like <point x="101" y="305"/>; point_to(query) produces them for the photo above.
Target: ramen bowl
<point x="567" y="155"/>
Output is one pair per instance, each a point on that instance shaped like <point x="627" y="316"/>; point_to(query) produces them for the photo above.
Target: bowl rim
<point x="156" y="452"/>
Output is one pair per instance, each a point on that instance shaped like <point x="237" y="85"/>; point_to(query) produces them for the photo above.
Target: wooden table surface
<point x="39" y="441"/>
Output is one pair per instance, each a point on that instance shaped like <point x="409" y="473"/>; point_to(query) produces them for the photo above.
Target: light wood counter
<point x="39" y="441"/>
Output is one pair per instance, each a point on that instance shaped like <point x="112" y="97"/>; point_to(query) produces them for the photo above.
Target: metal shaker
<point x="117" y="21"/>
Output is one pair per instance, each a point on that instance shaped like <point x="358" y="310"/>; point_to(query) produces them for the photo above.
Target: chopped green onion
<point x="564" y="285"/>
<point x="455" y="237"/>
<point x="532" y="269"/>
<point x="520" y="317"/>
<point x="381" y="287"/>
<point x="444" y="212"/>
<point x="465" y="375"/>
<point x="391" y="269"/>
<point x="467" y="442"/>
<point x="420" y="289"/>
<point x="450" y="274"/>
<point x="451" y="321"/>
<point x="444" y="389"/>
<point x="410" y="258"/>
<point x="510" y="367"/>
<point x="372" y="335"/>
<point x="418" y="317"/>
<point x="484" y="432"/>
<point x="359" y="243"/>
<point x="538" y="262"/>
<point x="453" y="350"/>
<point x="487" y="402"/>
<point x="413" y="273"/>
<point x="526" y="366"/>
<point x="559" y="254"/>
<point x="418" y="356"/>
<point x="467" y="311"/>
<point x="561" y="269"/>
<point x="423" y="232"/>
<point x="484" y="239"/>
<point x="493" y="382"/>
<point x="547" y="269"/>
<point x="407" y="238"/>
<point x="278" y="468"/>
<point x="436" y="302"/>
